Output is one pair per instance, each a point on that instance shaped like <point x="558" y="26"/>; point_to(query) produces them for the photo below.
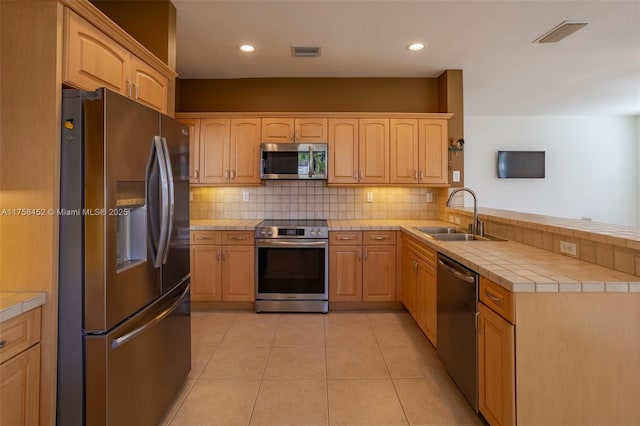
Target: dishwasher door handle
<point x="458" y="274"/>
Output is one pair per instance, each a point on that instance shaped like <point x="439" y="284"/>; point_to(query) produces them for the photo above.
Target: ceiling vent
<point x="560" y="32"/>
<point x="305" y="51"/>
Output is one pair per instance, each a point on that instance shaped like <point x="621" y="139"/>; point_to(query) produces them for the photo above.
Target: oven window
<point x="291" y="270"/>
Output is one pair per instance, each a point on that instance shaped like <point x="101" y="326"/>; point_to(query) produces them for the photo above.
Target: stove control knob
<point x="263" y="232"/>
<point x="319" y="232"/>
<point x="312" y="233"/>
<point x="269" y="233"/>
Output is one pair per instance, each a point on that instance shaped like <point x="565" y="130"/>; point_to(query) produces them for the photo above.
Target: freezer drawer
<point x="134" y="372"/>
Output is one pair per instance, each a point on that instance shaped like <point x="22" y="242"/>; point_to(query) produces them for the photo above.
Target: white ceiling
<point x="594" y="71"/>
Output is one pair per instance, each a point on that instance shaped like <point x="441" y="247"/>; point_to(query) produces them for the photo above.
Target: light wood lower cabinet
<point x="20" y="369"/>
<point x="222" y="266"/>
<point x="420" y="285"/>
<point x="496" y="367"/>
<point x="362" y="266"/>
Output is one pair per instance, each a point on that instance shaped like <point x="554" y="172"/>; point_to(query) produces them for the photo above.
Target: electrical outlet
<point x="245" y="195"/>
<point x="457" y="220"/>
<point x="568" y="248"/>
<point x="429" y="197"/>
<point x="451" y="218"/>
<point x="456" y="176"/>
<point x="369" y="197"/>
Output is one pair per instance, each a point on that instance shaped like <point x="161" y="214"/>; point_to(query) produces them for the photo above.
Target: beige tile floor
<point x="373" y="368"/>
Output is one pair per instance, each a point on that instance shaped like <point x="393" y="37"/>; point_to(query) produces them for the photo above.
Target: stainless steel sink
<point x="450" y="233"/>
<point x="464" y="237"/>
<point x="440" y="230"/>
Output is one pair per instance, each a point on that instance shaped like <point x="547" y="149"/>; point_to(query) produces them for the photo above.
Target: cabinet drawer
<point x="379" y="237"/>
<point x="205" y="237"/>
<point x="19" y="333"/>
<point x="238" y="238"/>
<point x="497" y="298"/>
<point x="428" y="254"/>
<point x="345" y="238"/>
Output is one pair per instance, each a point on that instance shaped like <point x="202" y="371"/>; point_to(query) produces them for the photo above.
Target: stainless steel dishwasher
<point x="457" y="324"/>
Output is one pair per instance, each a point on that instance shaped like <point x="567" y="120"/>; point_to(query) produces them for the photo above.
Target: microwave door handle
<point x="311" y="161"/>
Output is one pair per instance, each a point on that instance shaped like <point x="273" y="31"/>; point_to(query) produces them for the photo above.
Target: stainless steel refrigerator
<point x="124" y="345"/>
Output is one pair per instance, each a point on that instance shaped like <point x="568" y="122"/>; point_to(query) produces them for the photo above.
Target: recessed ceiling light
<point x="247" y="48"/>
<point x="414" y="47"/>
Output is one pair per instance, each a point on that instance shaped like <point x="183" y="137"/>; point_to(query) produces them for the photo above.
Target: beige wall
<point x="308" y="95"/>
<point x="313" y="200"/>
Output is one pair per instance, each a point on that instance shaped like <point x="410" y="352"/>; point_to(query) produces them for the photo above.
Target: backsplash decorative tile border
<point x="313" y="200"/>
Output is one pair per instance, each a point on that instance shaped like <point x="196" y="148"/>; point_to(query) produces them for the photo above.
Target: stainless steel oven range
<point x="292" y="266"/>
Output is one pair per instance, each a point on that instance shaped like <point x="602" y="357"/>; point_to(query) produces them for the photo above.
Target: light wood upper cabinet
<point x="358" y="151"/>
<point x="496" y="367"/>
<point x="226" y="150"/>
<point x="91" y="59"/>
<point x="245" y="151"/>
<point x="373" y="150"/>
<point x="294" y="130"/>
<point x="343" y="150"/>
<point x="433" y="151"/>
<point x="149" y="86"/>
<point x="214" y="151"/>
<point x="277" y="130"/>
<point x="194" y="148"/>
<point x="403" y="155"/>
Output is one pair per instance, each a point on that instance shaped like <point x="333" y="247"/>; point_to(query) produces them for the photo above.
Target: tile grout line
<point x="264" y="372"/>
<point x="326" y="366"/>
<point x="404" y="413"/>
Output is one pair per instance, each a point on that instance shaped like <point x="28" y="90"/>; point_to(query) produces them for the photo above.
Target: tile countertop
<point x="223" y="224"/>
<point x="13" y="304"/>
<point x="515" y="266"/>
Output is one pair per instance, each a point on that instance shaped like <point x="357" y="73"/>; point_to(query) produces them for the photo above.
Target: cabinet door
<point x="496" y="368"/>
<point x="238" y="273"/>
<point x="194" y="148"/>
<point x="20" y="388"/>
<point x="409" y="280"/>
<point x="149" y="86"/>
<point x="345" y="273"/>
<point x="91" y="59"/>
<point x="373" y="158"/>
<point x="310" y="130"/>
<point x="403" y="153"/>
<point x="278" y="130"/>
<point x="343" y="150"/>
<point x="214" y="150"/>
<point x="245" y="151"/>
<point x="433" y="148"/>
<point x="205" y="273"/>
<point x="426" y="303"/>
<point x="379" y="274"/>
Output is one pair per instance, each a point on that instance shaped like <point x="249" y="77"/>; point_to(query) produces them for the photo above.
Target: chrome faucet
<point x="474" y="225"/>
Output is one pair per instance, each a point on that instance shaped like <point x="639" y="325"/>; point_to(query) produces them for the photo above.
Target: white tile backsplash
<point x="312" y="200"/>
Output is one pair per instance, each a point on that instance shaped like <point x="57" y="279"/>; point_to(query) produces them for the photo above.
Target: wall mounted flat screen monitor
<point x="521" y="164"/>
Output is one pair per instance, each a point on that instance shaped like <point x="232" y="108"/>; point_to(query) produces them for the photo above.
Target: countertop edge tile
<point x="18" y="302"/>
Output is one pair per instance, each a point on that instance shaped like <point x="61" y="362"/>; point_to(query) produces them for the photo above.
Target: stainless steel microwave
<point x="293" y="161"/>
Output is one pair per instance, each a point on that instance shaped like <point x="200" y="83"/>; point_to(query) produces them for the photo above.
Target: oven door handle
<point x="270" y="243"/>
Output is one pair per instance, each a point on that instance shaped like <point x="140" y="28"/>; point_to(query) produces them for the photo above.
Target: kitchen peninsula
<point x="574" y="323"/>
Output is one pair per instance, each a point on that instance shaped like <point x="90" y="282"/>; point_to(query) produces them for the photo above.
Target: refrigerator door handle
<point x="158" y="246"/>
<point x="171" y="193"/>
<point x="162" y="315"/>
